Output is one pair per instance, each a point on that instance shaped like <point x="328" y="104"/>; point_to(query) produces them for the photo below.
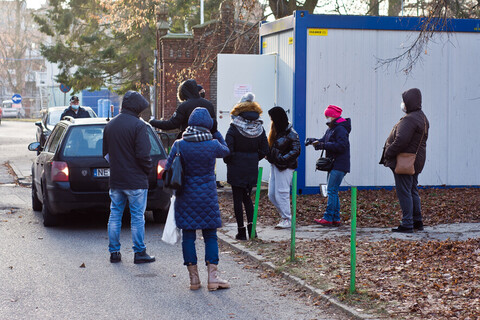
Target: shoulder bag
<point x="324" y="164"/>
<point x="406" y="161"/>
<point x="173" y="178"/>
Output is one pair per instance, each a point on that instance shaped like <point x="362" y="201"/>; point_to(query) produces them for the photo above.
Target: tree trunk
<point x="394" y="7"/>
<point x="374" y="8"/>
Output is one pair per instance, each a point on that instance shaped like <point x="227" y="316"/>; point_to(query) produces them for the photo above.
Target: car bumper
<point x="62" y="200"/>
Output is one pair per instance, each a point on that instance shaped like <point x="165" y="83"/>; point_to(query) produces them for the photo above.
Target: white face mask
<point x="403" y="107"/>
<point x="330" y="119"/>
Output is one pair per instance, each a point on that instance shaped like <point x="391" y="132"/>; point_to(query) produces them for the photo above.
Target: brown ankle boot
<point x="214" y="281"/>
<point x="194" y="278"/>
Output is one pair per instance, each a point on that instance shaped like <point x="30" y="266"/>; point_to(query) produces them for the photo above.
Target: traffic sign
<point x="16" y="98"/>
<point x="64" y="88"/>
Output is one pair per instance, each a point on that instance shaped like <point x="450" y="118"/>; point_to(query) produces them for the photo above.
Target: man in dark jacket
<point x="74" y="110"/>
<point x="126" y="146"/>
<point x="188" y="94"/>
<point x="409" y="135"/>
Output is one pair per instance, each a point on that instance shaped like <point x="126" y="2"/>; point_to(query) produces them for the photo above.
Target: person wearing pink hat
<point x="337" y="146"/>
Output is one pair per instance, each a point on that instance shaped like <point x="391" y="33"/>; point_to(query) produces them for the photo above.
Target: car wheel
<point x="36" y="204"/>
<point x="159" y="215"/>
<point x="49" y="220"/>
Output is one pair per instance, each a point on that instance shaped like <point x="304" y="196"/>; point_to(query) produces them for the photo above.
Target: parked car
<point x="11" y="110"/>
<point x="0" y="115"/>
<point x="70" y="174"/>
<point x="50" y="117"/>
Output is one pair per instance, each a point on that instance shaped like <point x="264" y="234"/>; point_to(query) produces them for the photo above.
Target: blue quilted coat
<point x="196" y="205"/>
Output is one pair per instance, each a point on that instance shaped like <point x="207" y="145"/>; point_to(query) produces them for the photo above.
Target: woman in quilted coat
<point x="284" y="151"/>
<point x="248" y="144"/>
<point x="196" y="204"/>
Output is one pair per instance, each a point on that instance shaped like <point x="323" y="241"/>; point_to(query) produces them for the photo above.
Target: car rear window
<point x="87" y="141"/>
<point x="84" y="141"/>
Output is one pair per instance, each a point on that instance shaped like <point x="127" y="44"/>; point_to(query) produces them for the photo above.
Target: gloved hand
<point x="214" y="127"/>
<point x="319" y="145"/>
<point x="309" y="141"/>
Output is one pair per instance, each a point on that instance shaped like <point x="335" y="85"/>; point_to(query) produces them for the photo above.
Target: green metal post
<point x="294" y="216"/>
<point x="353" y="240"/>
<point x="257" y="198"/>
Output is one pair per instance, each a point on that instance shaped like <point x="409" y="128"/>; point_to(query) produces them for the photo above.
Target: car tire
<point x="160" y="215"/>
<point x="36" y="204"/>
<point x="49" y="220"/>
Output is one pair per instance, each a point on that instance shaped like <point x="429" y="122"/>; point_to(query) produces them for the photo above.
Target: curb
<point x="21" y="179"/>
<point x="293" y="279"/>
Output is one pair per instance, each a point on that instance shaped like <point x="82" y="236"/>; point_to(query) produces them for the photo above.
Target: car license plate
<point x="101" y="172"/>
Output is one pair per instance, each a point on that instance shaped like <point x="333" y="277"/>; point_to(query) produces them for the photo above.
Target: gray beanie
<point x="250" y="97"/>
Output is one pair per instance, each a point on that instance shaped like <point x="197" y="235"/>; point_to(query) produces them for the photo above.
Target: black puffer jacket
<point x="188" y="93"/>
<point x="285" y="150"/>
<point x="126" y="141"/>
<point x="245" y="152"/>
<point x="81" y="113"/>
<point x="409" y="134"/>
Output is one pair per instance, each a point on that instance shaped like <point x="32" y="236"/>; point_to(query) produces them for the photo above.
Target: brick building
<point x="194" y="55"/>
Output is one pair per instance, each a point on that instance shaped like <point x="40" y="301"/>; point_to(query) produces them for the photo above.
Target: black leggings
<point x="242" y="195"/>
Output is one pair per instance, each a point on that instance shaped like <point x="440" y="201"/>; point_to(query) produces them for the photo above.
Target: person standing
<point x="196" y="203"/>
<point x="247" y="142"/>
<point x="337" y="146"/>
<point x="188" y="94"/>
<point x="283" y="155"/>
<point x="409" y="135"/>
<point x="74" y="110"/>
<point x="126" y="146"/>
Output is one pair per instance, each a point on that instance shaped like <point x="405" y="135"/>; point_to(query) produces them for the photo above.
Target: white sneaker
<point x="284" y="224"/>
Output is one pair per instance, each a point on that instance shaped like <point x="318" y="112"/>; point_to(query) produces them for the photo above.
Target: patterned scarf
<point x="197" y="134"/>
<point x="248" y="128"/>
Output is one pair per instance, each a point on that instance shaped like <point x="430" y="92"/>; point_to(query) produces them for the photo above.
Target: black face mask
<point x="202" y="94"/>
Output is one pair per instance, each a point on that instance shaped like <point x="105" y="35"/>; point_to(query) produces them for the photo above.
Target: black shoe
<point x="219" y="185"/>
<point x="115" y="257"/>
<point x="143" y="257"/>
<point x="418" y="225"/>
<point x="402" y="229"/>
<point x="242" y="234"/>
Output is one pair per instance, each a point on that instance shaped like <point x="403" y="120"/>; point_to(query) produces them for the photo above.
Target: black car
<point x="70" y="174"/>
<point x="50" y="117"/>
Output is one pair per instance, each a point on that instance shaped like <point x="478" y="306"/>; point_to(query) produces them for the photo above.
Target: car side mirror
<point x="38" y="124"/>
<point x="34" y="146"/>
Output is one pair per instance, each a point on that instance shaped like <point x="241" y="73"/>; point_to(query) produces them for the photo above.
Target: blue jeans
<point x="407" y="193"/>
<point x="335" y="178"/>
<point x="137" y="200"/>
<point x="188" y="246"/>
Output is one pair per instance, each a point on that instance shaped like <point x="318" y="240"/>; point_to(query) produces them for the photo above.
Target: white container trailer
<point x="325" y="59"/>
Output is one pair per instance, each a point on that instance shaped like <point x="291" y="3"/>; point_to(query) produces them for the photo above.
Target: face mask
<point x="329" y="120"/>
<point x="403" y="107"/>
<point x="75" y="107"/>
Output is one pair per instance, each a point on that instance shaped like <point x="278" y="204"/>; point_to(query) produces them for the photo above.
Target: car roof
<point x="62" y="108"/>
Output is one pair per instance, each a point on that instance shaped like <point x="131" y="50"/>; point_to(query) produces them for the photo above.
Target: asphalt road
<point x="64" y="272"/>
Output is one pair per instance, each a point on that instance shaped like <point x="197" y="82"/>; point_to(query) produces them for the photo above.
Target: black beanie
<point x="279" y="118"/>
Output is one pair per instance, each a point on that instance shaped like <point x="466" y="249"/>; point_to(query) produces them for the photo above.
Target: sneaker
<point x="143" y="257"/>
<point x="418" y="225"/>
<point x="115" y="257"/>
<point x="336" y="223"/>
<point x="324" y="222"/>
<point x="284" y="224"/>
<point x="402" y="229"/>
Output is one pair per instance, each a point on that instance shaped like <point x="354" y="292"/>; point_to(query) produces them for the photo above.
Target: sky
<point x="35" y="4"/>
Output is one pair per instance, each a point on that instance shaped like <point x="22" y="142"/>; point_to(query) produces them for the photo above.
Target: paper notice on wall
<point x="240" y="89"/>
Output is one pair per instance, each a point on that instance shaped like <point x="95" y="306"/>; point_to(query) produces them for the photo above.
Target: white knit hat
<point x="250" y="97"/>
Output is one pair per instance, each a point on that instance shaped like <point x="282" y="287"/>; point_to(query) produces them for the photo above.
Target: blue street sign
<point x="16" y="98"/>
<point x="64" y="88"/>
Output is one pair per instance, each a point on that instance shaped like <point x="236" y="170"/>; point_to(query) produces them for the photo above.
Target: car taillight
<point x="160" y="168"/>
<point x="59" y="171"/>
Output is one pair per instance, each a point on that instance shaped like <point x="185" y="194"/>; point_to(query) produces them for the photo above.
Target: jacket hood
<point x="248" y="106"/>
<point x="188" y="90"/>
<point x="412" y="99"/>
<point x="347" y="124"/>
<point x="134" y="102"/>
<point x="200" y="118"/>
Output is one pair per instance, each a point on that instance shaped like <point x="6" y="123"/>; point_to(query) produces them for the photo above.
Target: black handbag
<point x="324" y="164"/>
<point x="173" y="177"/>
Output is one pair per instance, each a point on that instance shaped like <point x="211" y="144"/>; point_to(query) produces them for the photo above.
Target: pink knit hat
<point x="333" y="111"/>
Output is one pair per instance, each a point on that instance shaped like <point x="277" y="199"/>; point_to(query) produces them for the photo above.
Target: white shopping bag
<point x="171" y="234"/>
